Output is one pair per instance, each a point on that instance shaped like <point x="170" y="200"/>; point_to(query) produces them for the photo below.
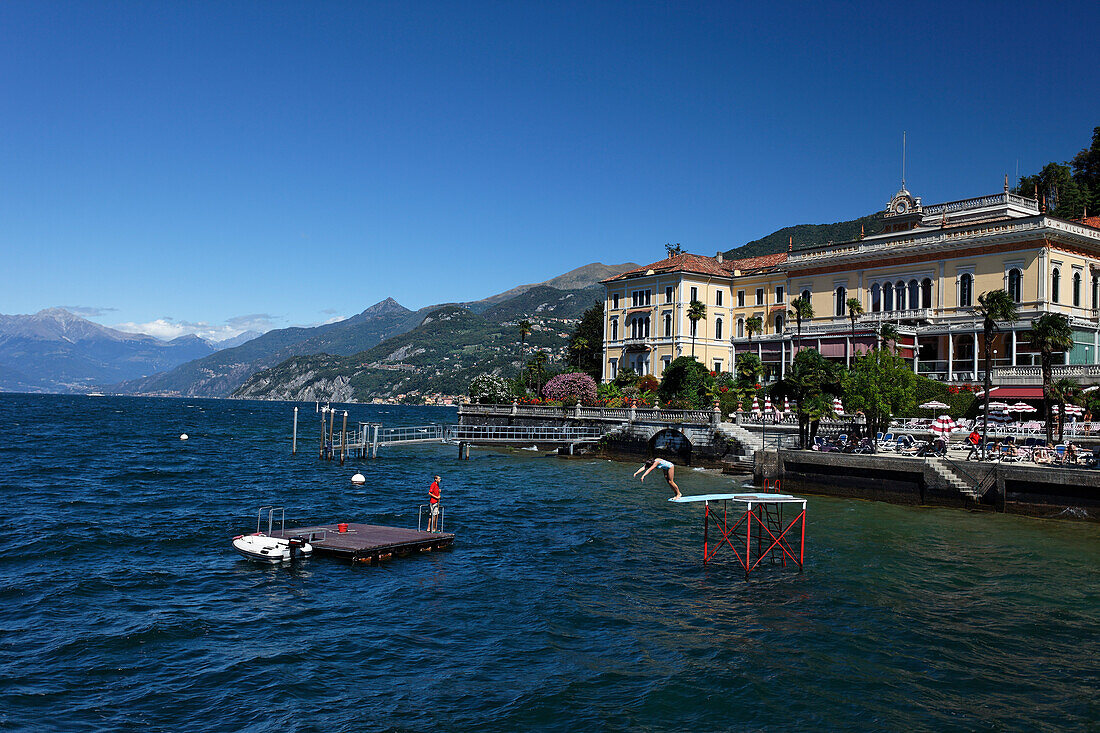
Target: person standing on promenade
<point x="668" y="468"/>
<point x="434" y="495"/>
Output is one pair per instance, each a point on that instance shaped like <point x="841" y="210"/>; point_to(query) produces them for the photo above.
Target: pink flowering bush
<point x="571" y="388"/>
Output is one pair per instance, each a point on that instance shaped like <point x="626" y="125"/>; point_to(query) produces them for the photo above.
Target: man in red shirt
<point x="433" y="501"/>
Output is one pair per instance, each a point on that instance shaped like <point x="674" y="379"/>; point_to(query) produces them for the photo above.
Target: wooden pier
<point x="368" y="543"/>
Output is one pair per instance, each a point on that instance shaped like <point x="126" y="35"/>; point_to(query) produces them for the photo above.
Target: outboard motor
<point x="295" y="545"/>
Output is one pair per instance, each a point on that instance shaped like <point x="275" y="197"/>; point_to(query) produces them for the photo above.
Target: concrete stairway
<point x="955" y="478"/>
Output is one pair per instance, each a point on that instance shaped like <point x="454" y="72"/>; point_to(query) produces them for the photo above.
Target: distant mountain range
<point x="56" y="351"/>
<point x="221" y="374"/>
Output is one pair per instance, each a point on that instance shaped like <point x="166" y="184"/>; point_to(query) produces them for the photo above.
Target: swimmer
<point x="668" y="468"/>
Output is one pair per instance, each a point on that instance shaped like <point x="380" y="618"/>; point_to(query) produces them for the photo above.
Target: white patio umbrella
<point x="838" y="406"/>
<point x="999" y="406"/>
<point x="934" y="405"/>
<point x="1023" y="407"/>
<point x="944" y="425"/>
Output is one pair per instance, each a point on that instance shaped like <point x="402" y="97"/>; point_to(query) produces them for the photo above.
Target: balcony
<point x="637" y="343"/>
<point x="1032" y="375"/>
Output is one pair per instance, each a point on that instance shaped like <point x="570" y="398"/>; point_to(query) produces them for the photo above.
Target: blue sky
<point x="172" y="164"/>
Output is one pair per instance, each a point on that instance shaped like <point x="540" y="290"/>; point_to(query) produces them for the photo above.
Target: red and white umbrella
<point x="838" y="406"/>
<point x="1002" y="406"/>
<point x="1075" y="410"/>
<point x="786" y="405"/>
<point x="934" y="405"/>
<point x="755" y="404"/>
<point x="1022" y="407"/>
<point x="768" y="403"/>
<point x="944" y="425"/>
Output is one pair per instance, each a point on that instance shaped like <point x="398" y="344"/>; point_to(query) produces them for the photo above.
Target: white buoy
<point x="359" y="479"/>
<point x="183" y="436"/>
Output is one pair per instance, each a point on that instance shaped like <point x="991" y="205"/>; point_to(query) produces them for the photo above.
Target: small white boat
<point x="266" y="548"/>
<point x="262" y="548"/>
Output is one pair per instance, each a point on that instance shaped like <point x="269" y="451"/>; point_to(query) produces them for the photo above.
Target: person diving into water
<point x="668" y="468"/>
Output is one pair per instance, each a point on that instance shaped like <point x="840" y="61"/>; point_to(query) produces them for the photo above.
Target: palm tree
<point x="524" y="332"/>
<point x="1049" y="333"/>
<point x="1063" y="390"/>
<point x="696" y="312"/>
<point x="855" y="310"/>
<point x="889" y="332"/>
<point x="993" y="306"/>
<point x="801" y="310"/>
<point x="753" y="325"/>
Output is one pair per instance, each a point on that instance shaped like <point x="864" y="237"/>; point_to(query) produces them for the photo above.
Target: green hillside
<point x="808" y="235"/>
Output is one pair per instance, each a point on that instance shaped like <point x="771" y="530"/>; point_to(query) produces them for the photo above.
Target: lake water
<point x="573" y="599"/>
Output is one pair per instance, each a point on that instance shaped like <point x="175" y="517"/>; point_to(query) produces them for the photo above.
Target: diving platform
<point x="779" y="534"/>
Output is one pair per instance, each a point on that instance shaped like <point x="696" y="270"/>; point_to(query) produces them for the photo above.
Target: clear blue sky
<point x="202" y="162"/>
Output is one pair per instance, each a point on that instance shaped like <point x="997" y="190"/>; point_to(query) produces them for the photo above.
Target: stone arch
<point x="670" y="443"/>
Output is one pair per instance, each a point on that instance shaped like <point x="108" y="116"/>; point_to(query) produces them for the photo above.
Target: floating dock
<point x="368" y="543"/>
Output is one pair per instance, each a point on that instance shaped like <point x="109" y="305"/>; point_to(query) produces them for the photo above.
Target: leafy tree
<point x="571" y="388"/>
<point x="811" y="382"/>
<point x="1086" y="172"/>
<point x="1050" y="333"/>
<point x="801" y="310"/>
<point x="626" y="377"/>
<point x="747" y="368"/>
<point x="888" y="332"/>
<point x="586" y="343"/>
<point x="535" y="373"/>
<point x="855" y="310"/>
<point x="673" y="249"/>
<point x="994" y="306"/>
<point x="696" y="312"/>
<point x="1063" y="390"/>
<point x="1068" y="188"/>
<point x="686" y="380"/>
<point x="880" y="384"/>
<point x="754" y="324"/>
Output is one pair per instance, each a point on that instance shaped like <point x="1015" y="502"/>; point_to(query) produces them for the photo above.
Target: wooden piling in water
<point x="294" y="440"/>
<point x="343" y="437"/>
<point x="331" y="431"/>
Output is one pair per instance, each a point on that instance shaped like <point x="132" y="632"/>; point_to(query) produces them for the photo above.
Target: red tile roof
<point x="1090" y="221"/>
<point x="701" y="264"/>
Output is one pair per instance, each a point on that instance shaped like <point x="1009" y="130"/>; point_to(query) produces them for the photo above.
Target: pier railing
<point x="614" y="414"/>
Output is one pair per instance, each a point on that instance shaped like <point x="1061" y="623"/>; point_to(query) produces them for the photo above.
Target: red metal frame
<point x="729" y="534"/>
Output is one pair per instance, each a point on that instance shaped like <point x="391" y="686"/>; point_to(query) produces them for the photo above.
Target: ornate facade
<point x="923" y="273"/>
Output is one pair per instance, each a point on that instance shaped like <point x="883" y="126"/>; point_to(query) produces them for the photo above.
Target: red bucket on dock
<point x="342" y="527"/>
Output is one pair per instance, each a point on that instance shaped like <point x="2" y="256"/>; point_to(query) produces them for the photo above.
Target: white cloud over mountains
<point x="168" y="328"/>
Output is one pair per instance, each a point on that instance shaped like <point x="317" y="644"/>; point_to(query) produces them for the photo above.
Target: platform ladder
<point x="771" y="516"/>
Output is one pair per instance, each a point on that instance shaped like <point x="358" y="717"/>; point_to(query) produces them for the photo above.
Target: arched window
<point x="614" y="329"/>
<point x="668" y="324"/>
<point x="926" y="293"/>
<point x="914" y="294"/>
<point x="740" y="328"/>
<point x="1014" y="284"/>
<point x="899" y="291"/>
<point x="779" y="323"/>
<point x="888" y="297"/>
<point x="841" y="296"/>
<point x="646" y="326"/>
<point x="876" y="298"/>
<point x="718" y="328"/>
<point x="1077" y="289"/>
<point x="805" y="295"/>
<point x="1055" y="282"/>
<point x="966" y="290"/>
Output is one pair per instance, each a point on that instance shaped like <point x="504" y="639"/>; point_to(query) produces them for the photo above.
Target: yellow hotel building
<point x="923" y="273"/>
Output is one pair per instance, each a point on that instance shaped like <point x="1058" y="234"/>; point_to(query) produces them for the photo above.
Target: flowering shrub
<point x="489" y="389"/>
<point x="572" y="387"/>
<point x="648" y="383"/>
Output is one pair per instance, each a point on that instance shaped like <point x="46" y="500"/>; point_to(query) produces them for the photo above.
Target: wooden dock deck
<point x="368" y="542"/>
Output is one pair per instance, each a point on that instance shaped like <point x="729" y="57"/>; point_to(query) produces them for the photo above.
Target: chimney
<point x="719" y="257"/>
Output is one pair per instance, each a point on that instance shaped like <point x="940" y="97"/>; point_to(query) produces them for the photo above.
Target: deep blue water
<point x="574" y="598"/>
